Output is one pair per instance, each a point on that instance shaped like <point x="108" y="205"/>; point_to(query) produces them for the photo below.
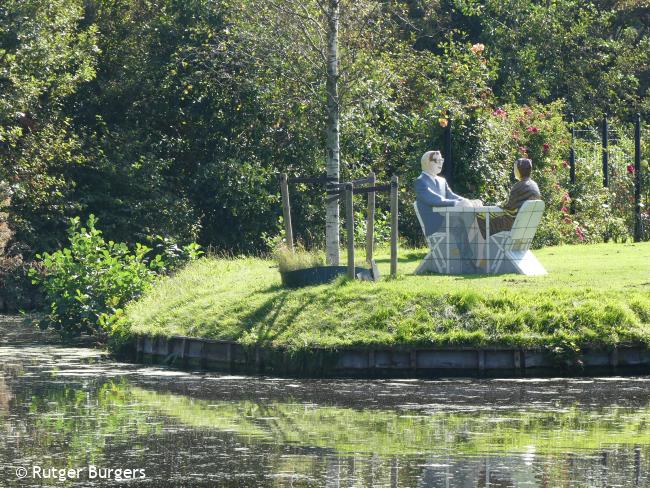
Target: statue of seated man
<point x="432" y="190"/>
<point x="524" y="189"/>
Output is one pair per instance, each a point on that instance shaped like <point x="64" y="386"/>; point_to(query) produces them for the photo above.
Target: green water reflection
<point x="387" y="432"/>
<point x="297" y="444"/>
<point x="68" y="408"/>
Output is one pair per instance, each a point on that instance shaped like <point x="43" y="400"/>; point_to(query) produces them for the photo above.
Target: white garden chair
<point x="513" y="245"/>
<point x="435" y="256"/>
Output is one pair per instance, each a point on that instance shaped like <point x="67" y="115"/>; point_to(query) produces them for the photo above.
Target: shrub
<point x="87" y="284"/>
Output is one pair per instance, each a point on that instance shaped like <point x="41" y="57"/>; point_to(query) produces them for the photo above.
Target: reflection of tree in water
<point x="5" y="396"/>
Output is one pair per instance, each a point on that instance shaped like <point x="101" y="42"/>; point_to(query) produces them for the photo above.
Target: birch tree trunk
<point x="333" y="147"/>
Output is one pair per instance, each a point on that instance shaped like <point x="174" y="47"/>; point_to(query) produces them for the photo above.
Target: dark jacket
<point x="433" y="192"/>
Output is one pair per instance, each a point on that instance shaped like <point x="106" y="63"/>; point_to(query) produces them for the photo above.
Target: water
<point x="64" y="407"/>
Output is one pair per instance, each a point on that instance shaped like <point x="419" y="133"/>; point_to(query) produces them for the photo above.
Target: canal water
<point x="64" y="408"/>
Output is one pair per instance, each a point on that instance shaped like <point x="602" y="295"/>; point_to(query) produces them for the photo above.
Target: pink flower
<point x="630" y="169"/>
<point x="565" y="164"/>
<point x="566" y="198"/>
<point x="499" y="112"/>
<point x="580" y="234"/>
<point x="528" y="111"/>
<point x="564" y="210"/>
<point x="546" y="147"/>
<point x="523" y="150"/>
<point x="532" y="129"/>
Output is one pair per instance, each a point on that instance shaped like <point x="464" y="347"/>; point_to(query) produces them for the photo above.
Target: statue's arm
<point x="431" y="198"/>
<point x="450" y="194"/>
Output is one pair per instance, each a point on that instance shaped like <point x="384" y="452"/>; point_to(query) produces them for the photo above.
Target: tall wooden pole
<point x="572" y="165"/>
<point x="349" y="225"/>
<point x="370" y="223"/>
<point x="637" y="179"/>
<point x="605" y="152"/>
<point x="394" y="186"/>
<point x="286" y="210"/>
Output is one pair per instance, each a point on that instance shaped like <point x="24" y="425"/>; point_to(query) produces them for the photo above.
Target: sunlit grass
<point x="598" y="294"/>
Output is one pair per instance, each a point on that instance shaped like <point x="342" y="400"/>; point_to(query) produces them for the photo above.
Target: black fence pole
<point x="637" y="179"/>
<point x="572" y="165"/>
<point x="449" y="161"/>
<point x="605" y="152"/>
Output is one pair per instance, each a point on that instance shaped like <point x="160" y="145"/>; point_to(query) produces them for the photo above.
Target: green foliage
<point x="173" y="118"/>
<point x="87" y="284"/>
<point x="46" y="53"/>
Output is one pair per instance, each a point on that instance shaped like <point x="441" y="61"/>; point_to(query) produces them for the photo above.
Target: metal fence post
<point x="349" y="225"/>
<point x="605" y="152"/>
<point x="370" y="222"/>
<point x="637" y="179"/>
<point x="394" y="186"/>
<point x="286" y="210"/>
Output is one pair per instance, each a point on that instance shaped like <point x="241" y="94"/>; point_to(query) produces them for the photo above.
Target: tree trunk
<point x="333" y="148"/>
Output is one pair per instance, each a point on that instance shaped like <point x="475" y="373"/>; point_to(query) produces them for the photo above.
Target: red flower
<point x="564" y="210"/>
<point x="499" y="112"/>
<point x="523" y="150"/>
<point x="580" y="234"/>
<point x="532" y="129"/>
<point x="546" y="147"/>
<point x="565" y="164"/>
<point x="630" y="169"/>
<point x="566" y="198"/>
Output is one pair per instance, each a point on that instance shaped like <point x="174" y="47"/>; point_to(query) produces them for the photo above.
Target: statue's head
<point x="523" y="168"/>
<point x="432" y="162"/>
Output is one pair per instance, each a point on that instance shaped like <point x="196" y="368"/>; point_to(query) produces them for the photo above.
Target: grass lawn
<point x="593" y="295"/>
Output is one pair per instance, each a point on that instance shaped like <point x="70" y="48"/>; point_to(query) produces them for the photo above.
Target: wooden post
<point x="637" y="179"/>
<point x="572" y="165"/>
<point x="394" y="186"/>
<point x="349" y="226"/>
<point x="605" y="152"/>
<point x="286" y="210"/>
<point x="370" y="222"/>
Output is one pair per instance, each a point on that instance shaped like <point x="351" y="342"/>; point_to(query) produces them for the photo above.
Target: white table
<point x="447" y="211"/>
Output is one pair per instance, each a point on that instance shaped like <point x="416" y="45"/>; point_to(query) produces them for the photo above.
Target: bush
<point x="87" y="284"/>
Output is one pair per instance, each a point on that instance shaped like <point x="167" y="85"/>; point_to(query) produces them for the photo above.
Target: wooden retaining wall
<point x="382" y="362"/>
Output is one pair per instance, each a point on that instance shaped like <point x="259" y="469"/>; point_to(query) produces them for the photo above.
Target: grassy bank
<point x="598" y="294"/>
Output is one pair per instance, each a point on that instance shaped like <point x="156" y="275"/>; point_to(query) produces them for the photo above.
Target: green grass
<point x="593" y="295"/>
